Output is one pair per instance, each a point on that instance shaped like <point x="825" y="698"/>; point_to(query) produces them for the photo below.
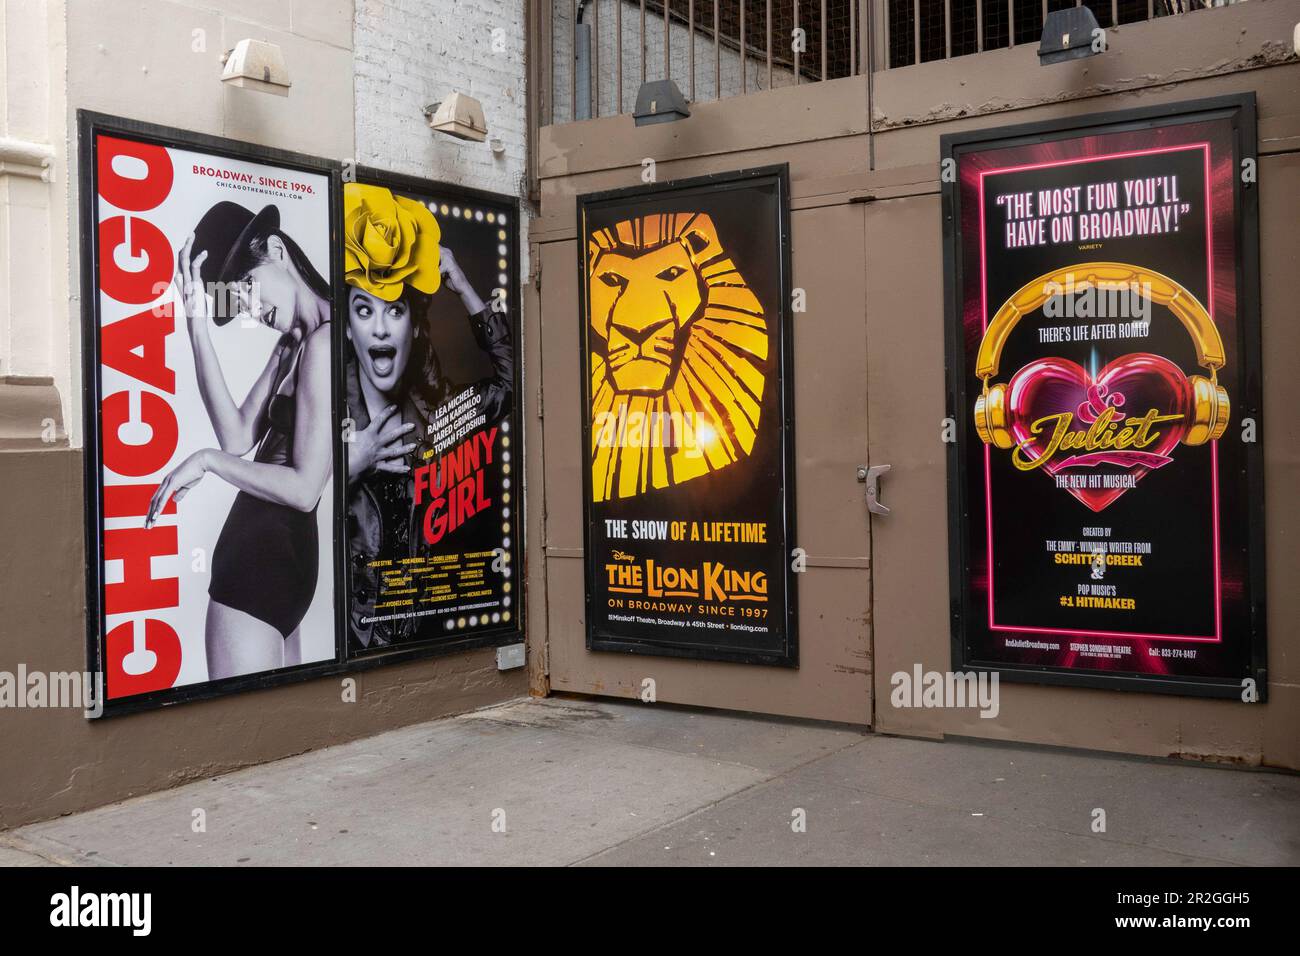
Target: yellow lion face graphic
<point x="678" y="341"/>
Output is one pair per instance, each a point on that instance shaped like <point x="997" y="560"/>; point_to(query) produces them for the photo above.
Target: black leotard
<point x="268" y="555"/>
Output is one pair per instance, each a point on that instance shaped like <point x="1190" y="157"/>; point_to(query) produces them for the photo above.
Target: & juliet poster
<point x="1104" y="358"/>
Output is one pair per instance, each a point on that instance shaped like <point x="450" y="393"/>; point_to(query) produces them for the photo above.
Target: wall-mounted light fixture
<point x="460" y="116"/>
<point x="256" y="65"/>
<point x="659" y="101"/>
<point x="1068" y="35"/>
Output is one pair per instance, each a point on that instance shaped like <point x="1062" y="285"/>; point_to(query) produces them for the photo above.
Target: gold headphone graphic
<point x="1210" y="406"/>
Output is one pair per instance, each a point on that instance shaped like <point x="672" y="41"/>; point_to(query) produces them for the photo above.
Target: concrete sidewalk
<point x="606" y="783"/>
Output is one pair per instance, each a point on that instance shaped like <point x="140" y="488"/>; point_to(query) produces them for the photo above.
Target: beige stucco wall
<point x="868" y="247"/>
<point x="160" y="61"/>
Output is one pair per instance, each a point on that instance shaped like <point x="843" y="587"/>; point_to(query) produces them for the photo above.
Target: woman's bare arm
<point x="236" y="426"/>
<point x="454" y="278"/>
<point x="298" y="485"/>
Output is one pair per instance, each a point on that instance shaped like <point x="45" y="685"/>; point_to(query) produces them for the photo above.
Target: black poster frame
<point x="89" y="125"/>
<point x="488" y="637"/>
<point x="1239" y="109"/>
<point x="599" y="640"/>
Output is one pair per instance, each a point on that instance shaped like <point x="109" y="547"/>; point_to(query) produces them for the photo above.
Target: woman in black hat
<point x="266" y="560"/>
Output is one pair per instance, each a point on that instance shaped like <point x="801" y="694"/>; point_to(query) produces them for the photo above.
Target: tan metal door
<point x="833" y="680"/>
<point x="905" y="384"/>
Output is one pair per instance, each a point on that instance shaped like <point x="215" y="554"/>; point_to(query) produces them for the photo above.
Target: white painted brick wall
<point x="410" y="54"/>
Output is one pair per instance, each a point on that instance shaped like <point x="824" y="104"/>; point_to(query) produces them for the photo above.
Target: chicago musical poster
<point x="687" y="419"/>
<point x="430" y="376"/>
<point x="1104" y="359"/>
<point x="210" y="449"/>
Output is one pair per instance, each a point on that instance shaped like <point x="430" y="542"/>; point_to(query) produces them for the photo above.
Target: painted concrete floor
<point x="560" y="782"/>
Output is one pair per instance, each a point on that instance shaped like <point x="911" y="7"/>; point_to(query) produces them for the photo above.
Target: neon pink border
<point x="1214" y="445"/>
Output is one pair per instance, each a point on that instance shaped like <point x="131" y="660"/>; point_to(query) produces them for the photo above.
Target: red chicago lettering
<point x="128" y="192"/>
<point x="139" y="590"/>
<point x="134" y="178"/>
<point x="132" y="501"/>
<point x="158" y="638"/>
<point x="146" y="331"/>
<point x="147" y="240"/>
<point x="138" y="460"/>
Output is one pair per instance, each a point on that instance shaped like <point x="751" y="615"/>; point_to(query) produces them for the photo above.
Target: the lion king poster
<point x="688" y="482"/>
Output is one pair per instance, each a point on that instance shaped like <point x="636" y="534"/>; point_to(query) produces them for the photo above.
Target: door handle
<point x="871" y="477"/>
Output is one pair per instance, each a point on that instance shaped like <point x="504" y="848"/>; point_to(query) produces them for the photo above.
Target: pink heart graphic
<point x="1131" y="384"/>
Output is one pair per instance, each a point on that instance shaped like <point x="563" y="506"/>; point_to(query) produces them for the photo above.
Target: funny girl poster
<point x="687" y="417"/>
<point x="209" y="388"/>
<point x="431" y="433"/>
<point x="1104" y="356"/>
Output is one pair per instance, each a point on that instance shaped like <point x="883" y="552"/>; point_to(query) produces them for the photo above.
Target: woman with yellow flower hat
<point x="393" y="265"/>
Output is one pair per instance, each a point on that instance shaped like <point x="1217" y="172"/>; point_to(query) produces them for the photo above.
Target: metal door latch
<point x="871" y="477"/>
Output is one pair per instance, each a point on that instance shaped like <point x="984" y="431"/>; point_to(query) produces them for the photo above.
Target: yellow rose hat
<point x="389" y="242"/>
